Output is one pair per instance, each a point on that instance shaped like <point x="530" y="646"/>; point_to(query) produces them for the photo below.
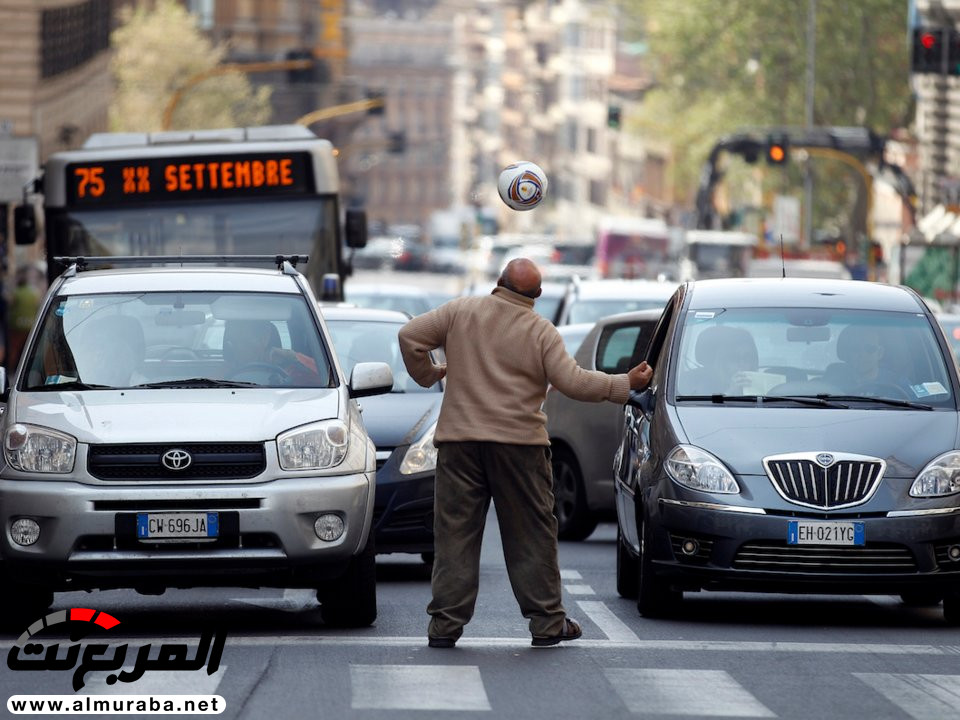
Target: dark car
<point x="401" y="425"/>
<point x="798" y="436"/>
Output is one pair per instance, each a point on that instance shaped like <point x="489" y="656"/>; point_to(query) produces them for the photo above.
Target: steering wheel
<point x="261" y="373"/>
<point x="881" y="388"/>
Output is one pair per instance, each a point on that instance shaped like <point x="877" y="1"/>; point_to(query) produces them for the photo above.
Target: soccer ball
<point x="522" y="185"/>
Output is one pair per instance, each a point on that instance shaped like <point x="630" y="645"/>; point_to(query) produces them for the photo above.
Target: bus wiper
<point x="885" y="401"/>
<point x="72" y="385"/>
<point x="817" y="401"/>
<point x="198" y="382"/>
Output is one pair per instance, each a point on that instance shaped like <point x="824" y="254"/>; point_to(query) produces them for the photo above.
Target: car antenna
<point x="783" y="264"/>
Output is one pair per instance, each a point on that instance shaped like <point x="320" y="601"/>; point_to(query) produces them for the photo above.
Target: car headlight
<point x="699" y="470"/>
<point x="35" y="449"/>
<point x="314" y="447"/>
<point x="421" y="456"/>
<point x="940" y="477"/>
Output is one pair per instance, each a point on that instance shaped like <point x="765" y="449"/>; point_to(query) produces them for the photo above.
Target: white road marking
<point x="579" y="589"/>
<point x="417" y="687"/>
<point x="570" y="575"/>
<point x="702" y="693"/>
<point x="922" y="697"/>
<point x="610" y="625"/>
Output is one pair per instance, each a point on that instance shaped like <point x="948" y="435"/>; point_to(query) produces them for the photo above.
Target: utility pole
<point x="808" y="120"/>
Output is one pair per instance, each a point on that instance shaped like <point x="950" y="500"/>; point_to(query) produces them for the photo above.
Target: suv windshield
<point x="829" y="353"/>
<point x="177" y="339"/>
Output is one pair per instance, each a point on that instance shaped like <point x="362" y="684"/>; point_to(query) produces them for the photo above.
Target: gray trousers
<point x="519" y="480"/>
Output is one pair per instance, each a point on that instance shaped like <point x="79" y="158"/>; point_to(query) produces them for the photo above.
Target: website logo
<point x="30" y="652"/>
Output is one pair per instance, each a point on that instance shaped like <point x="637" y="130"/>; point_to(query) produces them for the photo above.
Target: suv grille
<point x="777" y="556"/>
<point x="207" y="460"/>
<point x="844" y="481"/>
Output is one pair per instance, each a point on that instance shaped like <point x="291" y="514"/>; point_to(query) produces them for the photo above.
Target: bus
<point x="234" y="191"/>
<point x="632" y="247"/>
<point x="716" y="254"/>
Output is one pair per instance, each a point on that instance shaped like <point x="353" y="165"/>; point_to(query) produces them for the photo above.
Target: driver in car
<point x="255" y="344"/>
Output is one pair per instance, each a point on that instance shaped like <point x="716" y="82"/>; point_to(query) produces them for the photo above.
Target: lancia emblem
<point x="825" y="459"/>
<point x="176" y="459"/>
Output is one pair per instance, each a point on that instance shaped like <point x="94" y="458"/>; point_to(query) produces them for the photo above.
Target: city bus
<point x="234" y="191"/>
<point x="634" y="247"/>
<point x="716" y="254"/>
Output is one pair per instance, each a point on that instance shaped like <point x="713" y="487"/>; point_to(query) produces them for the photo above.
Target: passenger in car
<point x="725" y="356"/>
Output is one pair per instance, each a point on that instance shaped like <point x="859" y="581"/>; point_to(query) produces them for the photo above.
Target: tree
<point x="724" y="66"/>
<point x="155" y="51"/>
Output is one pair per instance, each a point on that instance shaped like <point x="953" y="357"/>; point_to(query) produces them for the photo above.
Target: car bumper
<point x="403" y="511"/>
<point x="749" y="551"/>
<point x="89" y="532"/>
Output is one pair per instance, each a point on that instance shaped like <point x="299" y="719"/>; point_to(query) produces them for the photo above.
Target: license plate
<point x="177" y="526"/>
<point x="807" y="532"/>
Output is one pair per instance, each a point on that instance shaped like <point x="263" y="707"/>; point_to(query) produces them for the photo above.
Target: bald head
<point x="521" y="276"/>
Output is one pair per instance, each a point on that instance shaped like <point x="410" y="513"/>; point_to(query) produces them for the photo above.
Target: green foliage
<point x="155" y="52"/>
<point x="723" y="66"/>
<point x="933" y="272"/>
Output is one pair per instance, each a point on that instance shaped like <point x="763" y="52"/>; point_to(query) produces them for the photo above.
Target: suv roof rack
<point x="86" y="262"/>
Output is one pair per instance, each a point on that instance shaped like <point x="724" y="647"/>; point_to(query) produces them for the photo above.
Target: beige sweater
<point x="500" y="357"/>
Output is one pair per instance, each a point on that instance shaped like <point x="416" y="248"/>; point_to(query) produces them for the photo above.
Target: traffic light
<point x="931" y="47"/>
<point x="778" y="149"/>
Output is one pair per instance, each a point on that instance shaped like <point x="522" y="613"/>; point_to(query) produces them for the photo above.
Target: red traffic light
<point x="777" y="154"/>
<point x="928" y="40"/>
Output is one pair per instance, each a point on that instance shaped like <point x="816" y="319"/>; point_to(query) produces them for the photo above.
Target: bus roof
<point x="720" y="237"/>
<point x="100" y="141"/>
<point x="623" y="225"/>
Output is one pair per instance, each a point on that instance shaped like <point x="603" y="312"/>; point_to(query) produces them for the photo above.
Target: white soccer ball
<point x="522" y="185"/>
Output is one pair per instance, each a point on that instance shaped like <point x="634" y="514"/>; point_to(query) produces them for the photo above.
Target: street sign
<point x="786" y="219"/>
<point x="18" y="166"/>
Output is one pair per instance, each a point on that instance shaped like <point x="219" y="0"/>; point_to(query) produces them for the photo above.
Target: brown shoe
<point x="571" y="631"/>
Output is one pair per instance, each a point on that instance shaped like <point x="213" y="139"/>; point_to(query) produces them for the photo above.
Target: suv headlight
<point x="35" y="449"/>
<point x="317" y="446"/>
<point x="940" y="477"/>
<point x="699" y="470"/>
<point x="421" y="456"/>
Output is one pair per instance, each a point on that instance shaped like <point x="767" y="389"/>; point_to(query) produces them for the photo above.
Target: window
<point x="72" y="35"/>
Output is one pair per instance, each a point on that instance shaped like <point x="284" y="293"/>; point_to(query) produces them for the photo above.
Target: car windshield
<point x="589" y="311"/>
<point x="366" y="341"/>
<point x="177" y="339"/>
<point x="837" y="353"/>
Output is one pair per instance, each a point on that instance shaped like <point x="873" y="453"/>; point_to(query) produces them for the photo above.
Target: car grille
<point x="776" y="556"/>
<point x="208" y="460"/>
<point x="845" y="482"/>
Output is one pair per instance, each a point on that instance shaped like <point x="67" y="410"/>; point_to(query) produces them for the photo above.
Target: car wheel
<point x="574" y="519"/>
<point x="951" y="608"/>
<point x="921" y="598"/>
<point x="351" y="601"/>
<point x="628" y="570"/>
<point x="654" y="598"/>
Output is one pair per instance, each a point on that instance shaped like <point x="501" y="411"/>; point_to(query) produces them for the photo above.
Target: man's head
<point x="521" y="276"/>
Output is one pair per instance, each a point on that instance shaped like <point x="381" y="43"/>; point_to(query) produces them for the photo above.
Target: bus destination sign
<point x="173" y="179"/>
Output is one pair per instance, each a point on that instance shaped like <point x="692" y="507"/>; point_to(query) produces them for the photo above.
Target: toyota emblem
<point x="176" y="459"/>
<point x="825" y="459"/>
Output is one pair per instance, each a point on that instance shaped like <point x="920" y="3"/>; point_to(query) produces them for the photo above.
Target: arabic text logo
<point x="176" y="459"/>
<point x="169" y="656"/>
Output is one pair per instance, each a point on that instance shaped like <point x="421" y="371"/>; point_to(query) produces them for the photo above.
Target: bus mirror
<point x="24" y="225"/>
<point x="356" y="227"/>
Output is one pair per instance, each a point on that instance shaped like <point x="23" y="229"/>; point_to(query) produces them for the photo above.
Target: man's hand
<point x="640" y="376"/>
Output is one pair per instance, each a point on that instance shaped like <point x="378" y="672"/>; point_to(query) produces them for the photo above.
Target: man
<point x="492" y="444"/>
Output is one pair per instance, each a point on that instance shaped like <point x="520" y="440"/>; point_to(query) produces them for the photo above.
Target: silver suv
<point x="186" y="427"/>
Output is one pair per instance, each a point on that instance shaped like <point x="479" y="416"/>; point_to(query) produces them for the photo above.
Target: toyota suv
<point x="181" y="427"/>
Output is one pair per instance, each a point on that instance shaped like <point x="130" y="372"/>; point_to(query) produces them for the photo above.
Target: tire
<point x="351" y="601"/>
<point x="951" y="609"/>
<point x="574" y="519"/>
<point x="921" y="598"/>
<point x="628" y="570"/>
<point x="654" y="598"/>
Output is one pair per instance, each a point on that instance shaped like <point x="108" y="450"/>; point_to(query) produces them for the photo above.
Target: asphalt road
<point x="725" y="655"/>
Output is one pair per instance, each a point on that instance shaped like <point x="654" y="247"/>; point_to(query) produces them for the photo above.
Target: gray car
<point x="181" y="427"/>
<point x="584" y="436"/>
<point x="798" y="435"/>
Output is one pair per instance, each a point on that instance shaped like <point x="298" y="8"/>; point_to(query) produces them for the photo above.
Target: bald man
<point x="492" y="443"/>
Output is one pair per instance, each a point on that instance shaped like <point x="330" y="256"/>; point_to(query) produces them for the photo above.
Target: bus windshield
<point x="279" y="226"/>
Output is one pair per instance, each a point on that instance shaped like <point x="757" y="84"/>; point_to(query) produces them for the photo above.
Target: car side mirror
<point x="356" y="228"/>
<point x="644" y="401"/>
<point x="370" y="378"/>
